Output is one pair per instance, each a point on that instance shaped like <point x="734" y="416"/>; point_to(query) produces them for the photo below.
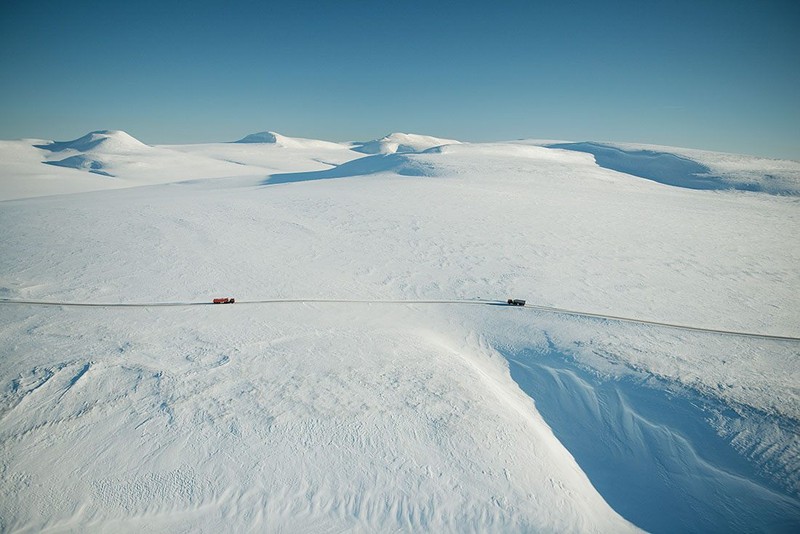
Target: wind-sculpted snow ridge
<point x="695" y="169"/>
<point x="401" y="143"/>
<point x="626" y="433"/>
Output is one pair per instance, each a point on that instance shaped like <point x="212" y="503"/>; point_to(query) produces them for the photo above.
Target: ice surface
<point x="378" y="417"/>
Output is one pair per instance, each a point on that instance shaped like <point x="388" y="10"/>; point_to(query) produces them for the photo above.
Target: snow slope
<point x="104" y="159"/>
<point x="275" y="153"/>
<point x="23" y="175"/>
<point x="696" y="169"/>
<point x="378" y="417"/>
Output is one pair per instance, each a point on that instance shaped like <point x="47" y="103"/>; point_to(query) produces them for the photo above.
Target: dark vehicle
<point x="516" y="302"/>
<point x="225" y="300"/>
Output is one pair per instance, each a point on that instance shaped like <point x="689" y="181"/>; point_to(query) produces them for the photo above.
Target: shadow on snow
<point x="402" y="164"/>
<point x="652" y="454"/>
<point x="659" y="167"/>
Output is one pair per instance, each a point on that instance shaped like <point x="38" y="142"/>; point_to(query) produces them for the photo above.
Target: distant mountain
<point x="100" y="140"/>
<point x="273" y="138"/>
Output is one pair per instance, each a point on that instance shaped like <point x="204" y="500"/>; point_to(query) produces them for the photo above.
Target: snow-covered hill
<point x="273" y="138"/>
<point x="383" y="416"/>
<point x="109" y="141"/>
<point x="401" y="142"/>
<point x="105" y="159"/>
<point x="275" y="153"/>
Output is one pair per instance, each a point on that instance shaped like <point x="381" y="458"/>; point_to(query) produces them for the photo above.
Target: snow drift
<point x="626" y="435"/>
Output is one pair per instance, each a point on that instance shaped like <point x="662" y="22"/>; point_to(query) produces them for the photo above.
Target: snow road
<point x="473" y="302"/>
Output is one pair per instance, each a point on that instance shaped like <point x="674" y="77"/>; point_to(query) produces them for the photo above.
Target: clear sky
<point x="721" y="75"/>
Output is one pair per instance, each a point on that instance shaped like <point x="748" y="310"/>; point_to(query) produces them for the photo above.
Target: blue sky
<point x="720" y="75"/>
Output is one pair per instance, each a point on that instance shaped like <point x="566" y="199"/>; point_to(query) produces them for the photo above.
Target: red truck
<point x="225" y="300"/>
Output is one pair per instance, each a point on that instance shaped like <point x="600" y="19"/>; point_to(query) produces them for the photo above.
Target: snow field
<point x="376" y="417"/>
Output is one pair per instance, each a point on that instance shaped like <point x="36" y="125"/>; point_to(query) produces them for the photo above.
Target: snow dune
<point x="369" y="417"/>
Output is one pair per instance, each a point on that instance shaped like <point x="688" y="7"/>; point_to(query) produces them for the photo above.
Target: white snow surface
<point x="382" y="417"/>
